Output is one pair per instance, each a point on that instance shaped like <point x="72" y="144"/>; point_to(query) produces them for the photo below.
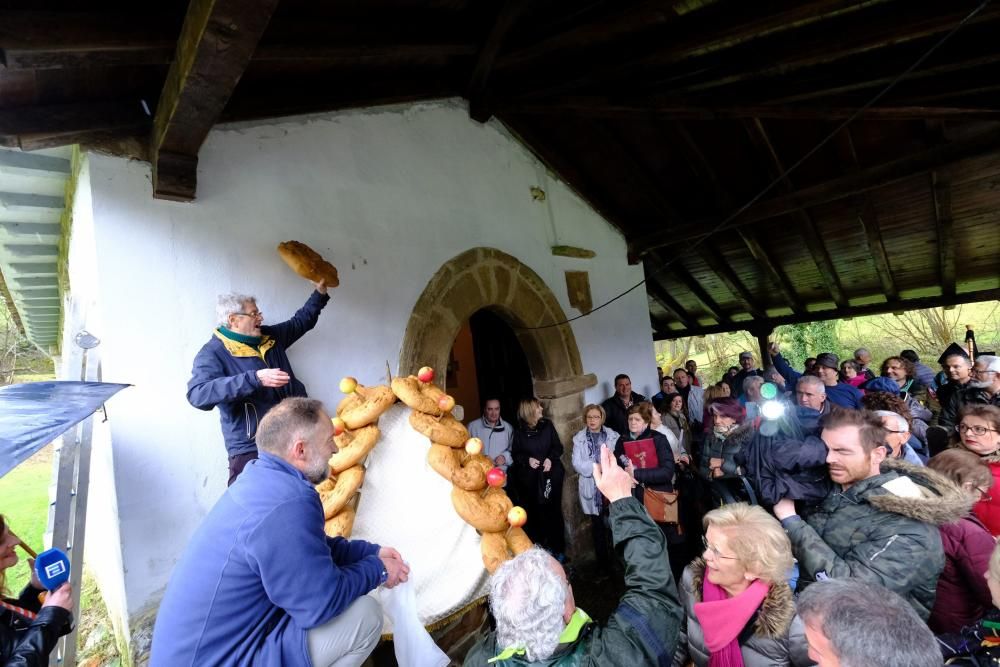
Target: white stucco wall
<point x="387" y="195"/>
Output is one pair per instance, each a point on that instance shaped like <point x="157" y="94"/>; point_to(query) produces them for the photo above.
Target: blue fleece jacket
<point x="258" y="573"/>
<point x="841" y="394"/>
<point x="225" y="376"/>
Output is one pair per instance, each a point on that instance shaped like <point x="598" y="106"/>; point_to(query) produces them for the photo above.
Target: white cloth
<point x="413" y="644"/>
<point x="405" y="504"/>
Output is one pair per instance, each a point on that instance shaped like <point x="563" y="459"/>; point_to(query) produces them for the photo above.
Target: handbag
<point x="662" y="506"/>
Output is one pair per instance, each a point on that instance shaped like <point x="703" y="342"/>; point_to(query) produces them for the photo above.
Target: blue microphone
<point x="52" y="568"/>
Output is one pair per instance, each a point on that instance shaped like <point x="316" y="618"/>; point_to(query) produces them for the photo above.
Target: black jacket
<point x="27" y="643"/>
<point x="617" y="413"/>
<point x="962" y="397"/>
<point x="658" y="478"/>
<point x="541" y="442"/>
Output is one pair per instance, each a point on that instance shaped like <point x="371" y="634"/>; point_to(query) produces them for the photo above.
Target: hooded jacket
<point x="728" y="448"/>
<point x="882" y="529"/>
<point x="962" y="594"/>
<point x="775" y="636"/>
<point x="225" y="375"/>
<point x="642" y="630"/>
<point x="28" y="643"/>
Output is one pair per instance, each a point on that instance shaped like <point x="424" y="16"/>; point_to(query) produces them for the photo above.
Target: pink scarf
<point x="722" y="618"/>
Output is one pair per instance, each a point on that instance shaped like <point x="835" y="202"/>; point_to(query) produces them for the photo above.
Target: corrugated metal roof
<point x="32" y="202"/>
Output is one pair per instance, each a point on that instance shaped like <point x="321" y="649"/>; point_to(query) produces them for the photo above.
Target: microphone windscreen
<point x="52" y="568"/>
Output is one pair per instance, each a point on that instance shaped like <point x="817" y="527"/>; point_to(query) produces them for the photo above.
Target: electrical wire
<point x="783" y="175"/>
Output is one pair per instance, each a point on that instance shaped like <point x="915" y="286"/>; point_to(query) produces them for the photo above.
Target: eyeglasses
<point x="984" y="494"/>
<point x="714" y="550"/>
<point x="976" y="371"/>
<point x="899" y="432"/>
<point x="253" y="315"/>
<point x="976" y="430"/>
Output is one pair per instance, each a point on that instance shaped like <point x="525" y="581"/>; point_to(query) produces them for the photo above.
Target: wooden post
<point x="763" y="335"/>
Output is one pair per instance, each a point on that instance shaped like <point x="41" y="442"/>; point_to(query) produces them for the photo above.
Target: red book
<point x="642" y="453"/>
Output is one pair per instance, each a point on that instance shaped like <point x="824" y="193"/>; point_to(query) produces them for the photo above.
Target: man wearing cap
<point x="983" y="388"/>
<point x="827" y="369"/>
<point x="746" y="370"/>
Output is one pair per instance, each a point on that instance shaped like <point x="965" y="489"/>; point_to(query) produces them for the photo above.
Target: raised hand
<point x="612" y="481"/>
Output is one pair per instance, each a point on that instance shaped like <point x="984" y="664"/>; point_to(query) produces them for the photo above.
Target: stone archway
<point x="488" y="278"/>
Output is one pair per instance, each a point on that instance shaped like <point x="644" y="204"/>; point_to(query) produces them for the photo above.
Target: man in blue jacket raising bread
<point x="260" y="583"/>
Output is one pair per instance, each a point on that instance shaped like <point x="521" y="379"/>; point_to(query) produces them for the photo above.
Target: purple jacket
<point x="962" y="595"/>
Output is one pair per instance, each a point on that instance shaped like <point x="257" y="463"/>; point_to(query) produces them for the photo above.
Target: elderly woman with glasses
<point x="962" y="596"/>
<point x="978" y="431"/>
<point x="29" y="629"/>
<point x="586" y="452"/>
<point x="739" y="607"/>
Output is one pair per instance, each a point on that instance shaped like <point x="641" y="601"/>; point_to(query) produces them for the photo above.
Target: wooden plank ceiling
<point x="666" y="116"/>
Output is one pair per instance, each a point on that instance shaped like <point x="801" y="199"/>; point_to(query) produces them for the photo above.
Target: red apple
<point x="348" y="385"/>
<point x="338" y="426"/>
<point x="517" y="517"/>
<point x="496" y="477"/>
<point x="446" y="403"/>
<point x="473" y="446"/>
<point x="426" y="374"/>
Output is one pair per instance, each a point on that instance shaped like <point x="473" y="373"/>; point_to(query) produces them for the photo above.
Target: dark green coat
<point x="643" y="629"/>
<point x="882" y="529"/>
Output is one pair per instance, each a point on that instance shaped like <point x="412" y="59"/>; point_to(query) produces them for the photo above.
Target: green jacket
<point x="883" y="529"/>
<point x="643" y="629"/>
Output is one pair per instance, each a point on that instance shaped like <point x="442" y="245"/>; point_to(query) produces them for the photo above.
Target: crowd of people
<point x="844" y="514"/>
<point x="841" y="515"/>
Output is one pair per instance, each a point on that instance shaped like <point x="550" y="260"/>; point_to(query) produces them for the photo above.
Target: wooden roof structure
<point x="666" y="116"/>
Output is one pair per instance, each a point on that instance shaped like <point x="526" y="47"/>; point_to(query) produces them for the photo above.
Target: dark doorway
<point x="501" y="368"/>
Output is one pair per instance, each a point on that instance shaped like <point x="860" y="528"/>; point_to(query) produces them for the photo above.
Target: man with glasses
<point x="244" y="369"/>
<point x="983" y="388"/>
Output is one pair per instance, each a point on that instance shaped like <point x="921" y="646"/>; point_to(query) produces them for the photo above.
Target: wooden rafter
<point x="868" y="218"/>
<point x="810" y="232"/>
<point x="731" y="281"/>
<point x="773" y="269"/>
<point x="479" y="108"/>
<point x="853" y="311"/>
<point x="217" y="41"/>
<point x="697" y="290"/>
<point x="597" y="106"/>
<point x="659" y="294"/>
<point x="941" y="187"/>
<point x="45" y="126"/>
<point x="717" y="27"/>
<point x="841" y="187"/>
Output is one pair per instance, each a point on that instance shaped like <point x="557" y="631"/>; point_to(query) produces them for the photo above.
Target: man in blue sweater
<point x="244" y="369"/>
<point x="260" y="584"/>
<point x="827" y="369"/>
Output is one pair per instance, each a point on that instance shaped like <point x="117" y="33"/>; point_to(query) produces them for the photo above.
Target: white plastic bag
<point x="414" y="646"/>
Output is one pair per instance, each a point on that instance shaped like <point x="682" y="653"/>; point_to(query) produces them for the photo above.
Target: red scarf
<point x="722" y="618"/>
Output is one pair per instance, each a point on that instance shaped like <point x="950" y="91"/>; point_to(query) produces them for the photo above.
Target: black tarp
<point x="34" y="414"/>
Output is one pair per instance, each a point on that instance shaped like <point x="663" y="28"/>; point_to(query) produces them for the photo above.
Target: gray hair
<point x="229" y="304"/>
<point x="901" y="424"/>
<point x="992" y="363"/>
<point x="286" y="421"/>
<point x="528" y="598"/>
<point x="813" y="380"/>
<point x="753" y="379"/>
<point x="862" y="352"/>
<point x="867" y="624"/>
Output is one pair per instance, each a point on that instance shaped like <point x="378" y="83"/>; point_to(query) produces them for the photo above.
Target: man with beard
<point x="983" y="387"/>
<point x="746" y="370"/>
<point x="260" y="583"/>
<point x="879" y="522"/>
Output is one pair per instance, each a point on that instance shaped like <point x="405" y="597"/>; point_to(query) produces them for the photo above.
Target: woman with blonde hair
<point x="586" y="452"/>
<point x="738" y="605"/>
<point x="536" y="477"/>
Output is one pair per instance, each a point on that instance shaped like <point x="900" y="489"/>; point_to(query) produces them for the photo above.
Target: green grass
<point x="24" y="501"/>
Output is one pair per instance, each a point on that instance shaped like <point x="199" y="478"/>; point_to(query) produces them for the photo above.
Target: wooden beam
<point x="716" y="27"/>
<point x="941" y="188"/>
<point x="876" y="246"/>
<point x="731" y="280"/>
<point x="814" y="241"/>
<point x="659" y="294"/>
<point x="848" y="185"/>
<point x="217" y="41"/>
<point x="918" y="303"/>
<point x="596" y="106"/>
<point x="62" y="124"/>
<point x="696" y="289"/>
<point x="773" y="270"/>
<point x="479" y="108"/>
<point x="787" y="53"/>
